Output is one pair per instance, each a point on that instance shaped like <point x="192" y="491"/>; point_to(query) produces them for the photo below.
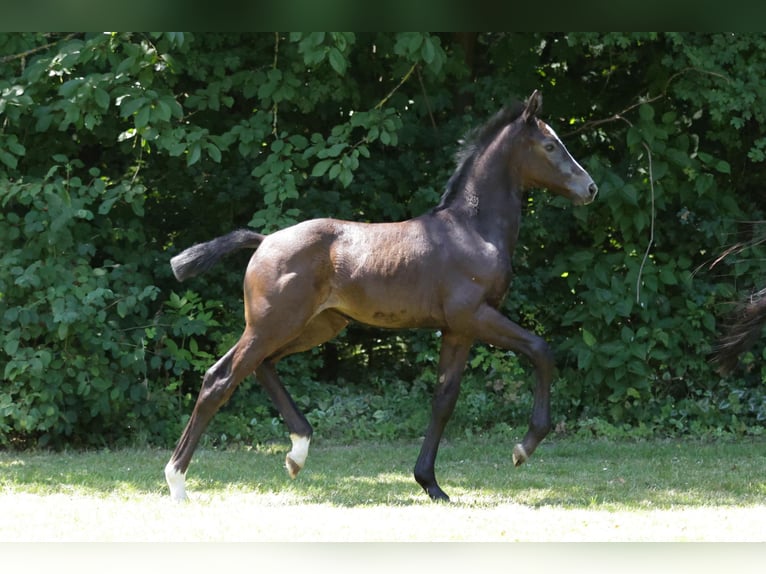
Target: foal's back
<point x="381" y="274"/>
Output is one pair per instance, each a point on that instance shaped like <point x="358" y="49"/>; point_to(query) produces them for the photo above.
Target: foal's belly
<point x="392" y="308"/>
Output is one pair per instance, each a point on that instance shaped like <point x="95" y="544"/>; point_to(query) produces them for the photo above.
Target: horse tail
<point x="200" y="257"/>
<point x="742" y="332"/>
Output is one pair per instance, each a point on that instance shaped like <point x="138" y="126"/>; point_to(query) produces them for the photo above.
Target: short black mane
<point x="473" y="144"/>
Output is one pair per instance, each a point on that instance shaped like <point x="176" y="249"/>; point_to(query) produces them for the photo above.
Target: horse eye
<point x="549" y="147"/>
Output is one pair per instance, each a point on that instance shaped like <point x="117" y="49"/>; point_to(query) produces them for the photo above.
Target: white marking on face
<point x="551" y="132"/>
<point x="176" y="481"/>
<point x="300" y="449"/>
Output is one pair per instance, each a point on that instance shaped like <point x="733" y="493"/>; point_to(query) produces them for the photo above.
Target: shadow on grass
<point x="563" y="473"/>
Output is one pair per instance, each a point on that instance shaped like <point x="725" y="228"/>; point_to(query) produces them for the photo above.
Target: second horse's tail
<point x="199" y="258"/>
<point x="742" y="332"/>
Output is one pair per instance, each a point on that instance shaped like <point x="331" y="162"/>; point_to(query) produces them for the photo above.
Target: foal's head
<point x="543" y="160"/>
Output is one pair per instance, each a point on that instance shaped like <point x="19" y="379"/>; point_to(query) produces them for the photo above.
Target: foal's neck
<point x="490" y="198"/>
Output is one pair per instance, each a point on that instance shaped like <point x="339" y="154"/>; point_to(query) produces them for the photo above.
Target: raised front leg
<point x="453" y="356"/>
<point x="494" y="328"/>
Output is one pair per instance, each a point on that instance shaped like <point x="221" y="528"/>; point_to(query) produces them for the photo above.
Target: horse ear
<point x="534" y="106"/>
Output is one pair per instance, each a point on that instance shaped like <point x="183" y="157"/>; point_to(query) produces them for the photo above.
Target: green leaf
<point x="90" y="121"/>
<point x="337" y="61"/>
<point x="646" y="112"/>
<point x="12" y="143"/>
<point x="102" y="98"/>
<point x="176" y="149"/>
<point x="581" y="259"/>
<point x="588" y="338"/>
<point x="428" y="52"/>
<point x="11" y="344"/>
<point x="624" y="307"/>
<point x="142" y="117"/>
<point x="70" y="87"/>
<point x="332" y="151"/>
<point x="345" y="177"/>
<point x="194" y="154"/>
<point x="321" y="167"/>
<point x="44" y="119"/>
<point x="634" y="136"/>
<point x="723" y="166"/>
<point x="415" y="40"/>
<point x="106" y="205"/>
<point x="8" y="159"/>
<point x="630" y="193"/>
<point x="162" y="111"/>
<point x="131" y="106"/>
<point x="213" y="152"/>
<point x="668" y="277"/>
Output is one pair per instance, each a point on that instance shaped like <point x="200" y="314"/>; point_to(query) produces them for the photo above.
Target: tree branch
<point x="589" y="125"/>
<point x="23" y="55"/>
<point x="275" y="107"/>
<point x="406" y="77"/>
<point x="651" y="229"/>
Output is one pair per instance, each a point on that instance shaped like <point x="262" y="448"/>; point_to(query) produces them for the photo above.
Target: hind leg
<point x="222" y="379"/>
<point x="218" y="385"/>
<point x="299" y="427"/>
<point x="320" y="329"/>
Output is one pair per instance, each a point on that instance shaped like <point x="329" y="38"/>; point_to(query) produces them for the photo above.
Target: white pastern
<point x="300" y="449"/>
<point x="519" y="455"/>
<point x="176" y="481"/>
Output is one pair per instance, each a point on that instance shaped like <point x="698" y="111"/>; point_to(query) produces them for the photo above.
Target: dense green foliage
<point x="118" y="150"/>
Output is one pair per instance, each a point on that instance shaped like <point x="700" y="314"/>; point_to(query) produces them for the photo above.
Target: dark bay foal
<point x="448" y="269"/>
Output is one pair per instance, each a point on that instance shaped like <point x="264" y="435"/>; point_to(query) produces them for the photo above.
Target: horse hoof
<point x="437" y="494"/>
<point x="519" y="455"/>
<point x="176" y="483"/>
<point x="293" y="468"/>
<point x="296" y="458"/>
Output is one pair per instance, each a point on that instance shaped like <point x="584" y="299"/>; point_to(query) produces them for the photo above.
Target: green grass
<point x="570" y="490"/>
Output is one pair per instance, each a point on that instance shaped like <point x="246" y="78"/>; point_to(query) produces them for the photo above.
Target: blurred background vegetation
<point x="118" y="150"/>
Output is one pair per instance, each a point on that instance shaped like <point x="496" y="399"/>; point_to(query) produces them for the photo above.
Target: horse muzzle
<point x="588" y="196"/>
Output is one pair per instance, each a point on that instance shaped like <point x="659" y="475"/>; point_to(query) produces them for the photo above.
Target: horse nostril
<point x="593" y="189"/>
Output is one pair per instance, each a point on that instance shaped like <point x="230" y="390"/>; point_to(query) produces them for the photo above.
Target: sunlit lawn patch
<point x="570" y="490"/>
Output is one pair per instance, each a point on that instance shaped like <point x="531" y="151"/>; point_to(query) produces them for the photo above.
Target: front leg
<point x="494" y="328"/>
<point x="452" y="360"/>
